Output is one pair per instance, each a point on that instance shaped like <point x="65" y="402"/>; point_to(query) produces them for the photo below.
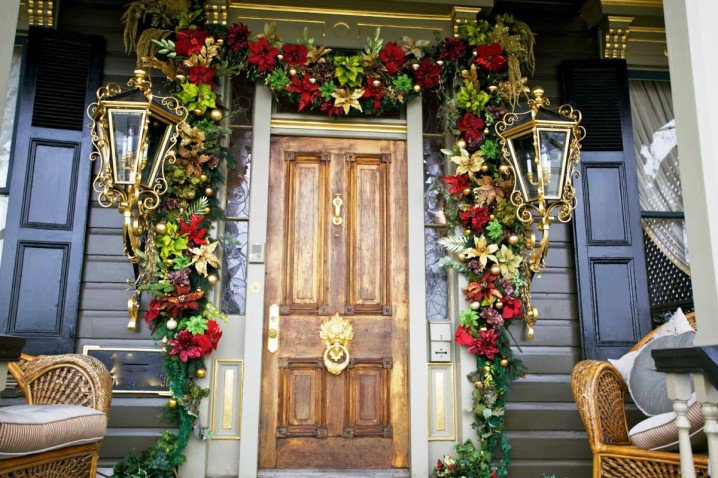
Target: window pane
<point x="238" y="178"/>
<point x="437" y="280"/>
<point x="234" y="269"/>
<point x="434" y="161"/>
<point x="9" y="115"/>
<point x="242" y="101"/>
<point x="430" y="105"/>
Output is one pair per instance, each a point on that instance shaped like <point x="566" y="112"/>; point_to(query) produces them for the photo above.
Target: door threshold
<point x="339" y="473"/>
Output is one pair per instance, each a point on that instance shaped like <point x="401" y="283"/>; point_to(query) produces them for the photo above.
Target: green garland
<point x="483" y="62"/>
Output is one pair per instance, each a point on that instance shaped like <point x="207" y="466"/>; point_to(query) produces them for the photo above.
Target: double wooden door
<point x="336" y="256"/>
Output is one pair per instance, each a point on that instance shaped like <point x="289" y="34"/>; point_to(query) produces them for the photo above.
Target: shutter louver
<point x="62" y="74"/>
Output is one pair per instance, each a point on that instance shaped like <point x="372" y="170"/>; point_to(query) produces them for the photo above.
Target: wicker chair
<point x="600" y="395"/>
<point x="60" y="379"/>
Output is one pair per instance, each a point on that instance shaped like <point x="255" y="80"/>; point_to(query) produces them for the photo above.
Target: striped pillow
<point x="659" y="433"/>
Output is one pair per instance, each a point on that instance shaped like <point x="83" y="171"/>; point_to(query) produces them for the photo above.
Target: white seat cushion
<point x="28" y="429"/>
<point x="659" y="433"/>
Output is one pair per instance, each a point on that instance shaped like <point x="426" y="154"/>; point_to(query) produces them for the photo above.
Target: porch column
<point x="692" y="36"/>
<point x="8" y="27"/>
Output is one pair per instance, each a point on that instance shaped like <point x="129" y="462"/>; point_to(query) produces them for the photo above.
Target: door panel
<point x="326" y="257"/>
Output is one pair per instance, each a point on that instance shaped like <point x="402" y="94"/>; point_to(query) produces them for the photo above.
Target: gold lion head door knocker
<point x="336" y="333"/>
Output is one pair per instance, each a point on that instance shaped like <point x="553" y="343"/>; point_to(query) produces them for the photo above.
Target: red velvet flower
<point x="237" y="36"/>
<point x="485" y="344"/>
<point x="199" y="74"/>
<point x="307" y="91"/>
<point x="463" y="336"/>
<point x="489" y="57"/>
<point x="262" y="54"/>
<point x="181" y="300"/>
<point x="203" y="343"/>
<point x="471" y="127"/>
<point x="331" y="110"/>
<point x="452" y="48"/>
<point x="194" y="233"/>
<point x="427" y="76"/>
<point x="458" y="184"/>
<point x="476" y="218"/>
<point x="295" y="54"/>
<point x="185" y="346"/>
<point x="190" y="41"/>
<point x="152" y="312"/>
<point x="512" y="308"/>
<point x="375" y="93"/>
<point x="393" y="57"/>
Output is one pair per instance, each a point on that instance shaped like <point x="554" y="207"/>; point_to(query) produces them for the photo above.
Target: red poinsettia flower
<point x="489" y="57"/>
<point x="194" y="233"/>
<point x="181" y="300"/>
<point x="152" y="312"/>
<point x="295" y="54"/>
<point x="427" y="76"/>
<point x="476" y="218"/>
<point x="471" y="127"/>
<point x="331" y="110"/>
<point x="512" y="308"/>
<point x="307" y="91"/>
<point x="452" y="48"/>
<point x="485" y="344"/>
<point x="203" y="343"/>
<point x="185" y="346"/>
<point x="213" y="332"/>
<point x="393" y="57"/>
<point x="237" y="36"/>
<point x="375" y="93"/>
<point x="458" y="184"/>
<point x="190" y="41"/>
<point x="485" y="289"/>
<point x="199" y="74"/>
<point x="262" y="54"/>
<point x="463" y="336"/>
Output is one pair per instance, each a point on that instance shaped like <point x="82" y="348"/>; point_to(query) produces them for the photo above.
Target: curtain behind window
<point x="655" y="144"/>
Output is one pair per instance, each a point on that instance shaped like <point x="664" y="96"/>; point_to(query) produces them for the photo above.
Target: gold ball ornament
<point x="495" y="269"/>
<point x="171" y="324"/>
<point x="478" y="385"/>
<point x="440" y="62"/>
<point x="484" y="168"/>
<point x="209" y="192"/>
<point x="461" y="144"/>
<point x="417" y="88"/>
<point x="215" y="115"/>
<point x="376" y="83"/>
<point x="499" y="305"/>
<point x="203" y="178"/>
<point x="180" y="78"/>
<point x="164" y="340"/>
<point x="474" y="305"/>
<point x="313" y="81"/>
<point x="415" y="66"/>
<point x="461" y="257"/>
<point x="467" y="232"/>
<point x="483" y="329"/>
<point x="280" y="57"/>
<point x="504" y="169"/>
<point x="493" y="89"/>
<point x="172" y="402"/>
<point x="212" y="279"/>
<point x="513" y="239"/>
<point x="201" y="373"/>
<point x="475" y="53"/>
<point x="467" y="191"/>
<point x="487" y="130"/>
<point x="292" y="72"/>
<point x="219" y="42"/>
<point x="492" y="217"/>
<point x="504" y="363"/>
<point x="169" y="262"/>
<point x="207" y="210"/>
<point x="160" y="228"/>
<point x="464" y="73"/>
<point x="198" y="112"/>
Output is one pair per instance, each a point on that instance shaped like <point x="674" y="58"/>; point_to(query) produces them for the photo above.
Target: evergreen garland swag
<point x="476" y="75"/>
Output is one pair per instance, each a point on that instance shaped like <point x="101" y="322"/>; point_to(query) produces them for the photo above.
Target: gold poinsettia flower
<point x="316" y="53"/>
<point x="190" y="135"/>
<point x="348" y="100"/>
<point x="203" y="256"/>
<point x="508" y="262"/>
<point x="482" y="250"/>
<point x="466" y="163"/>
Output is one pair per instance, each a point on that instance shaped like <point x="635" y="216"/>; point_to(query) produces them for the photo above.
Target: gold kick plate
<point x="273" y="329"/>
<point x="336" y="333"/>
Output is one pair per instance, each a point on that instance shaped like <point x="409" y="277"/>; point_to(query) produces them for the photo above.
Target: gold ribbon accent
<point x="336" y="333"/>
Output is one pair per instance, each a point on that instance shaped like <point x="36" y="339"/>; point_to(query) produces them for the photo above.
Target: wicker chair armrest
<point x="64" y="379"/>
<point x="599" y="392"/>
<point x="700" y="461"/>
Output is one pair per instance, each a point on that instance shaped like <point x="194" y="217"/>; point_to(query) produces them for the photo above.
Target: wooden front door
<point x="336" y="244"/>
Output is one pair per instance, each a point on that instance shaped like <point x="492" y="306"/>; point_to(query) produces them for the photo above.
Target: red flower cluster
<point x="183" y="299"/>
<point x="375" y="93"/>
<point x="452" y="48"/>
<point x="458" y="184"/>
<point x="195" y="234"/>
<point x="190" y="41"/>
<point x="393" y="57"/>
<point x="152" y="312"/>
<point x="262" y="54"/>
<point x="189" y="346"/>
<point x="427" y="76"/>
<point x="237" y="36"/>
<point x="476" y="218"/>
<point x="331" y="110"/>
<point x="489" y="57"/>
<point x="485" y="344"/>
<point x="294" y="54"/>
<point x="306" y="90"/>
<point x="199" y="74"/>
<point x="512" y="308"/>
<point x="486" y="289"/>
<point x="464" y="337"/>
<point x="471" y="127"/>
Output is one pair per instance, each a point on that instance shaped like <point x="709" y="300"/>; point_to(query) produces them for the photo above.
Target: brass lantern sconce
<point x="133" y="133"/>
<point x="542" y="146"/>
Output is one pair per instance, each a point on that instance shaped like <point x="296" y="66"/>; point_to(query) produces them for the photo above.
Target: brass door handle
<point x="273" y="329"/>
<point x="337" y="202"/>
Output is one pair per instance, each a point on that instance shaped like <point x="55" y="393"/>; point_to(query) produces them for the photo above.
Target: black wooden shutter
<point x="41" y="268"/>
<point x="610" y="260"/>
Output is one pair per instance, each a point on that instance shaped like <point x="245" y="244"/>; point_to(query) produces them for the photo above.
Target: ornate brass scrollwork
<point x="336" y="333"/>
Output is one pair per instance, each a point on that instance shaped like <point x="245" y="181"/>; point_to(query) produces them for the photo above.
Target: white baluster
<point x="679" y="390"/>
<point x="707" y="395"/>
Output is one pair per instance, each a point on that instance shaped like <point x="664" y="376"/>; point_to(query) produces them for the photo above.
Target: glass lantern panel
<point x="523" y="155"/>
<point x="126" y="135"/>
<point x="553" y="146"/>
<point x="158" y="133"/>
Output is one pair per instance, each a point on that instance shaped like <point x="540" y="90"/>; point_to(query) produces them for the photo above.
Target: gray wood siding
<point x="543" y="424"/>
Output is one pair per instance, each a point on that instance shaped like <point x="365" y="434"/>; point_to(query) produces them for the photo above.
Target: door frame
<point x="265" y="125"/>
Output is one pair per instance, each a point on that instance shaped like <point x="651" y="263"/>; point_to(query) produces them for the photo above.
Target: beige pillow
<point x="659" y="433"/>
